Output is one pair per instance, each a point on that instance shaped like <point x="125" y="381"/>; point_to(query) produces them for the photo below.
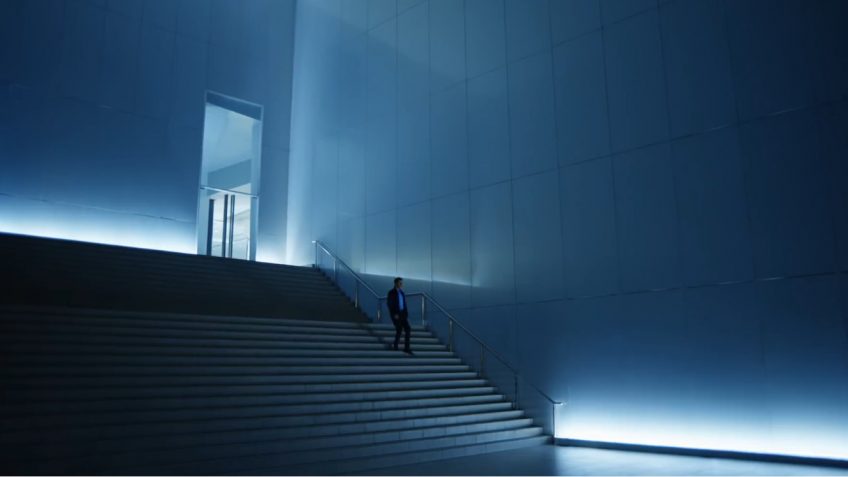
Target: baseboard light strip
<point x="722" y="454"/>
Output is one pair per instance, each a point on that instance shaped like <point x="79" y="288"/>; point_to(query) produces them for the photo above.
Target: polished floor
<point x="557" y="460"/>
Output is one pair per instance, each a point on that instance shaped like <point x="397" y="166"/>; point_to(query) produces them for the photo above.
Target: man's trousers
<point x="401" y="325"/>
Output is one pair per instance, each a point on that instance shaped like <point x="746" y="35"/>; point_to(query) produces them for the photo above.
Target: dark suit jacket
<point x="394" y="304"/>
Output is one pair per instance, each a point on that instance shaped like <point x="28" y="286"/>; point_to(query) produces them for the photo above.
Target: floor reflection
<point x="553" y="460"/>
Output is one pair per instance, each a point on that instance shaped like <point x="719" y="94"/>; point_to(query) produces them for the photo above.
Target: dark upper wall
<point x="643" y="204"/>
<point x="101" y="113"/>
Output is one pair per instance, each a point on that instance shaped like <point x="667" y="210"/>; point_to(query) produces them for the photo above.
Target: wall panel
<point x="639" y="202"/>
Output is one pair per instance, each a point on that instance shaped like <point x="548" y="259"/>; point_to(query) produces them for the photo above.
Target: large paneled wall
<point x="642" y="205"/>
<point x="101" y="113"/>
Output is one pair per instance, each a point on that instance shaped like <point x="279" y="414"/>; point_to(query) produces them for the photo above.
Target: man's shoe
<point x="409" y="352"/>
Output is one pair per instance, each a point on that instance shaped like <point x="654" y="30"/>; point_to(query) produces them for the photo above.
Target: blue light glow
<point x="722" y="434"/>
<point x="270" y="254"/>
<point x="72" y="222"/>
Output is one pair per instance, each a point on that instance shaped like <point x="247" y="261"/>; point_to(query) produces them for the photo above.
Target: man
<point x="396" y="300"/>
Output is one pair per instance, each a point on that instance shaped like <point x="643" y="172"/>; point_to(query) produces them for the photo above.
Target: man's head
<point x="398" y="282"/>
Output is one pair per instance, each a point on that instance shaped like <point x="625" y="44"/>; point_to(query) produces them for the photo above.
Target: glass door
<point x="229" y="179"/>
<point x="230" y="224"/>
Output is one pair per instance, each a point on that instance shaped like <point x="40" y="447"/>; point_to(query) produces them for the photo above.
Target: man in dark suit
<point x="396" y="300"/>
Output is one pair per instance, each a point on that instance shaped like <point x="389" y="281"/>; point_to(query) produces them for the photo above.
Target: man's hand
<point x="396" y="317"/>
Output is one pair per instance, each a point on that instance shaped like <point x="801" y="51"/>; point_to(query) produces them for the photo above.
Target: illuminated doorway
<point x="228" y="199"/>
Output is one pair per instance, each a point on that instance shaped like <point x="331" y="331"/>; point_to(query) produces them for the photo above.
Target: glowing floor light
<point x="724" y="435"/>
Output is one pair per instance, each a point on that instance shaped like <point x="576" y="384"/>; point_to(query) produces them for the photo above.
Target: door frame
<point x="252" y="110"/>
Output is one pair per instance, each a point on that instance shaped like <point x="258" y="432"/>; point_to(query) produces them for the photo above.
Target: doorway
<point x="228" y="199"/>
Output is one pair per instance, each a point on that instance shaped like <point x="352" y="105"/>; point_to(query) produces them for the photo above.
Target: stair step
<point x="243" y="295"/>
<point x="269" y="455"/>
<point x="221" y="304"/>
<point x="308" y="449"/>
<point x="37" y="358"/>
<point x="176" y="323"/>
<point x="297" y="383"/>
<point x="206" y="280"/>
<point x="110" y="330"/>
<point x="141" y="426"/>
<point x="104" y="348"/>
<point x="120" y="264"/>
<point x="285" y="404"/>
<point x="210" y="438"/>
<point x="45" y="339"/>
<point x="349" y="466"/>
<point x="198" y="278"/>
<point x="403" y="393"/>
<point x="293" y="373"/>
<point x="155" y="316"/>
<point x="122" y="443"/>
<point x="210" y="270"/>
<point x="389" y="326"/>
<point x="15" y="393"/>
<point x="412" y="436"/>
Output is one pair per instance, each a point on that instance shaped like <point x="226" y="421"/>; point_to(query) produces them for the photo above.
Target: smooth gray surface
<point x="105" y="102"/>
<point x="641" y="203"/>
<point x="554" y="460"/>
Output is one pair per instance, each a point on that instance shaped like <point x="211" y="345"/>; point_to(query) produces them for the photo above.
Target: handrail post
<point x="482" y="358"/>
<point x="379" y="309"/>
<point x="423" y="310"/>
<point x="450" y="334"/>
<point x="553" y="419"/>
<point x="515" y="384"/>
<point x="316" y="253"/>
<point x="336" y="270"/>
<point x="356" y="294"/>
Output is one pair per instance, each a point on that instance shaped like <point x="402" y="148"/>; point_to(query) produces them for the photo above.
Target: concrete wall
<point x="641" y="204"/>
<point x="101" y="113"/>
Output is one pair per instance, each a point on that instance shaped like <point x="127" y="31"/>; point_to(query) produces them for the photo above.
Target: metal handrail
<point x="359" y="280"/>
<point x="490" y="350"/>
<point x="451" y="321"/>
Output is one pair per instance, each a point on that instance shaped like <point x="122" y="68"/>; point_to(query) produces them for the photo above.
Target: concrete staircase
<point x="94" y="391"/>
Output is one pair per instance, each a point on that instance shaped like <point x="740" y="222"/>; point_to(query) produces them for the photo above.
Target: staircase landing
<point x="50" y="272"/>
